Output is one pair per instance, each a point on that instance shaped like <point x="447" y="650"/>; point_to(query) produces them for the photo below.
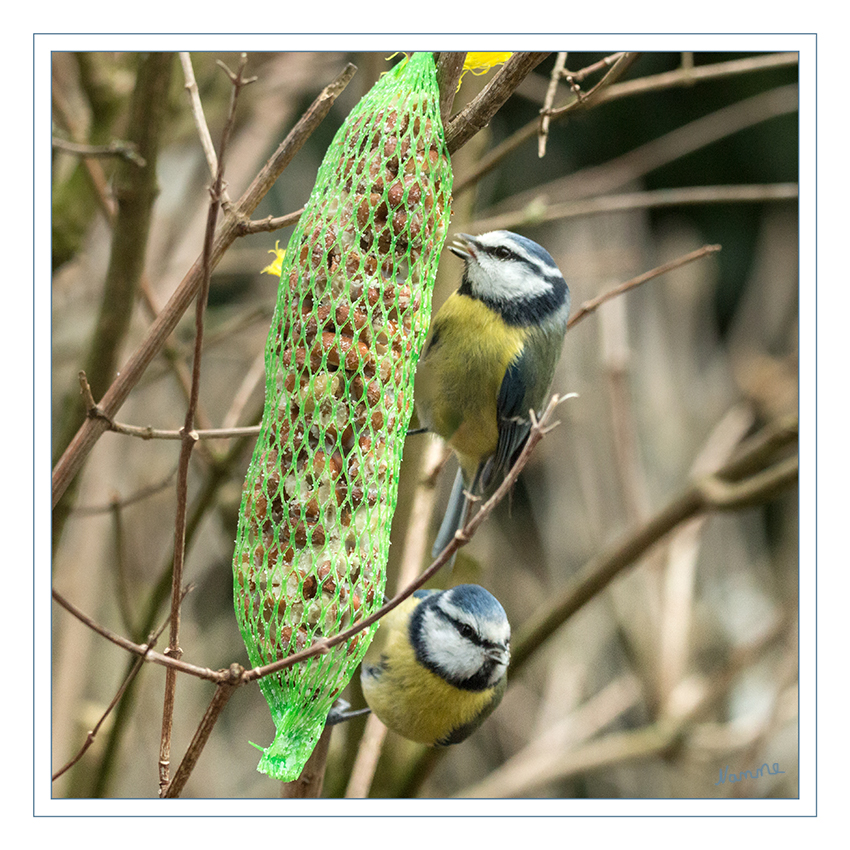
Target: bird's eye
<point x="502" y="252"/>
<point x="466" y="630"/>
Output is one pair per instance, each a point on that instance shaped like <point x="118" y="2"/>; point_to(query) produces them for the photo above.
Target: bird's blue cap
<point x="534" y="249"/>
<point x="477" y="600"/>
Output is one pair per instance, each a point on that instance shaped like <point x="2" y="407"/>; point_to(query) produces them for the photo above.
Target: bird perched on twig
<point x="490" y="358"/>
<point x="437" y="667"/>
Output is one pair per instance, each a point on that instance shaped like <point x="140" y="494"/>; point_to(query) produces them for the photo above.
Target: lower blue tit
<point x="489" y="359"/>
<point x="437" y="666"/>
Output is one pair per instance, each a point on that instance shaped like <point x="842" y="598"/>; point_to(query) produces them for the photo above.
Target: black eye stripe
<point x="503" y="252"/>
<point x="463" y="629"/>
<point x="478" y="681"/>
<point x="469" y="632"/>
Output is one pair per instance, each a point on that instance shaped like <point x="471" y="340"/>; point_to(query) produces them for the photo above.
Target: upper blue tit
<point x="437" y="667"/>
<point x="490" y="358"/>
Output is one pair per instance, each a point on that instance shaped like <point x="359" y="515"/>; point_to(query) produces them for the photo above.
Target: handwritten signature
<point x="725" y="776"/>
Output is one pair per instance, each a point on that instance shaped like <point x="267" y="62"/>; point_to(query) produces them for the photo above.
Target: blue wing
<point x="512" y="411"/>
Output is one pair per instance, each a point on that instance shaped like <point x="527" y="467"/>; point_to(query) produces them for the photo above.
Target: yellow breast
<point x="408" y="697"/>
<point x="458" y="381"/>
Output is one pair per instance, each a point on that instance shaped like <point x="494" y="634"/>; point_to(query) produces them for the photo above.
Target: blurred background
<point x="686" y="663"/>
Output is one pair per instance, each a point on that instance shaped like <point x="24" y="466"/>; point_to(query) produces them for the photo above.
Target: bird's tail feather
<point x="455" y="517"/>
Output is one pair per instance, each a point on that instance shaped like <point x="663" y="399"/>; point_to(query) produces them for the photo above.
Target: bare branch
<point x="197" y="107"/>
<point x="449" y="68"/>
<point x="536" y="213"/>
<point x="597" y="573"/>
<point x="589" y="306"/>
<point x="148" y="432"/>
<point x="142" y="650"/>
<point x="189" y="437"/>
<point x="224" y="690"/>
<point x="124" y="150"/>
<point x="688" y="74"/>
<point x="543" y="135"/>
<point x="128" y="680"/>
<point x="618" y="64"/>
<point x="270" y="223"/>
<point x="88" y="434"/>
<point x="477" y="114"/>
<point x="489" y="161"/>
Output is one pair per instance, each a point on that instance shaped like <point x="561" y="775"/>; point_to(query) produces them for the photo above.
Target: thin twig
<point x="552" y="88"/>
<point x="143" y="650"/>
<point x="128" y="679"/>
<point x="489" y="161"/>
<point x="124" y="150"/>
<point x="188" y="433"/>
<point x="270" y="223"/>
<point x="92" y="733"/>
<point x="197" y="107"/>
<point x="64" y="115"/>
<point x="687" y="75"/>
<point x="224" y="690"/>
<point x="148" y="432"/>
<point x="577" y="77"/>
<point x="589" y="306"/>
<point x="539" y="212"/>
<point x="618" y="64"/>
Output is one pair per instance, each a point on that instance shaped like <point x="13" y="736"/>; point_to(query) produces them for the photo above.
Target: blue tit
<point x="489" y="359"/>
<point x="437" y="667"/>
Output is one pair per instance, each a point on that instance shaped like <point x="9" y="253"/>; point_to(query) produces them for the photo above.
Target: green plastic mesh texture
<point x="351" y="318"/>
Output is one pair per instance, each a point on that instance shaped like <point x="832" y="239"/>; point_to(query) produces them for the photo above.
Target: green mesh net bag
<point x="351" y="317"/>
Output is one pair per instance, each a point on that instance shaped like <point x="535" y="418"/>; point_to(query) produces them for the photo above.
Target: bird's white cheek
<point x="455" y="657"/>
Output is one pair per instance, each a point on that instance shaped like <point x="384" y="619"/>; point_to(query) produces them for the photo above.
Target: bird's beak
<point x="500" y="654"/>
<point x="464" y="246"/>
